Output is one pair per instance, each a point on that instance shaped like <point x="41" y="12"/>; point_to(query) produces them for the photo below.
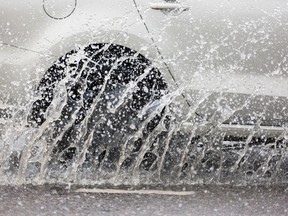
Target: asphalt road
<point x="204" y="200"/>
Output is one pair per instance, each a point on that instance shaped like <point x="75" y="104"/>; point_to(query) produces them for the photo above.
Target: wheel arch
<point x="128" y="40"/>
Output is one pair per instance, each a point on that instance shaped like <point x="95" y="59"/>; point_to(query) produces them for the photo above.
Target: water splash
<point x="112" y="144"/>
<point x="166" y="155"/>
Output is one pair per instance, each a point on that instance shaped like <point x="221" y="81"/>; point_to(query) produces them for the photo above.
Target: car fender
<point x="25" y="58"/>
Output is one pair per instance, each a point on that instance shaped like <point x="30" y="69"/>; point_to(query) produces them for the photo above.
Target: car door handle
<point x="168" y="6"/>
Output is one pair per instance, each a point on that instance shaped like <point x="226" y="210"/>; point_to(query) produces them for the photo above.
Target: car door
<point x="229" y="50"/>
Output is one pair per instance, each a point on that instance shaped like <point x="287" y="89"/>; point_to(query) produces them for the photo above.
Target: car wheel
<point x="111" y="93"/>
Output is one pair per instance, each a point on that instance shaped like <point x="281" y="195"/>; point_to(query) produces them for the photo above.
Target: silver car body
<point x="217" y="54"/>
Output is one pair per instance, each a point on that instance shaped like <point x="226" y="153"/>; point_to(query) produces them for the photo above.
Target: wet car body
<point x="227" y="60"/>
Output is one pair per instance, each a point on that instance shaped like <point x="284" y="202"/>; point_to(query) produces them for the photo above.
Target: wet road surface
<point x="204" y="200"/>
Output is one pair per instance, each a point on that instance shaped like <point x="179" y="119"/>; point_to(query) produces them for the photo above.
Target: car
<point x="132" y="67"/>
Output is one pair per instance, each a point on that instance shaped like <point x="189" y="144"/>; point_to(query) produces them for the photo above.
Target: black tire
<point x="102" y="68"/>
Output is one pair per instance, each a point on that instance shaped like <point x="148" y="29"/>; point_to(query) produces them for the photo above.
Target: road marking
<point x="119" y="191"/>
